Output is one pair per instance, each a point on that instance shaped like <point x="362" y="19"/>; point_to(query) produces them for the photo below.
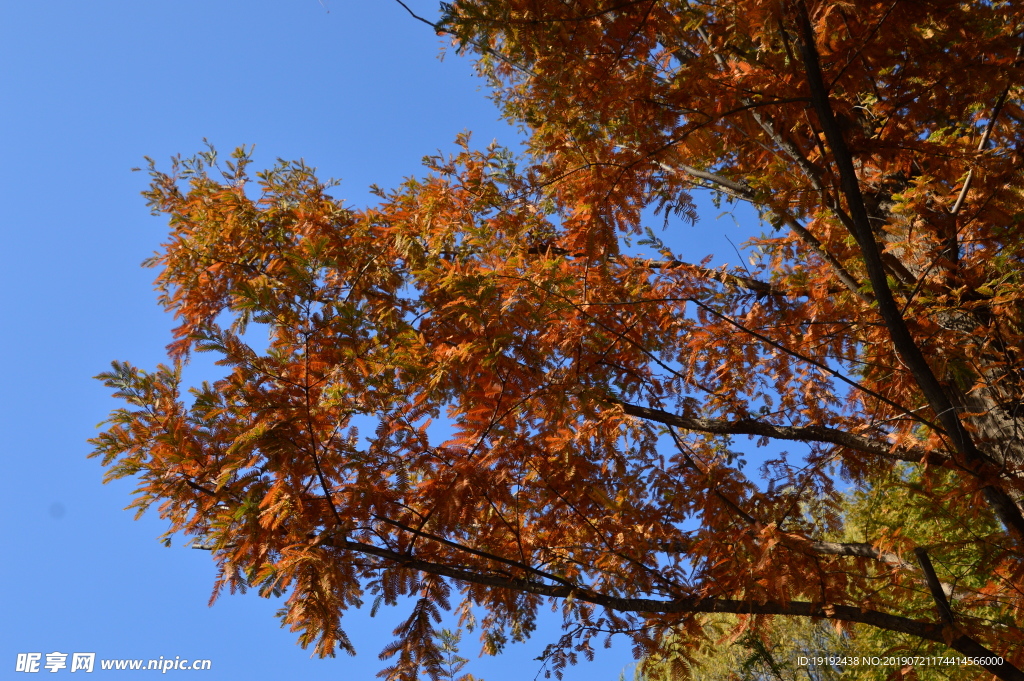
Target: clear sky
<point x="86" y="90"/>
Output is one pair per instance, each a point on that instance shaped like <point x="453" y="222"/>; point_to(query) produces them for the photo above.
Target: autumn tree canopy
<point x="598" y="403"/>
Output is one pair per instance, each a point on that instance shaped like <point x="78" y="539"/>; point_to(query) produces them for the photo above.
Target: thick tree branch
<point x="934" y="585"/>
<point x="821" y="434"/>
<point x="857" y="550"/>
<point x="738" y="189"/>
<point x="756" y="286"/>
<point x="844" y="613"/>
<point x="903" y="341"/>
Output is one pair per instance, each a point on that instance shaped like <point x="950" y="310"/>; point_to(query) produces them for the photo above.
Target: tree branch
<point x="694" y="604"/>
<point x="742" y="191"/>
<point x="993" y="117"/>
<point x="903" y="341"/>
<point x="756" y="286"/>
<point x="475" y="552"/>
<point x="934" y="585"/>
<point x="820" y="434"/>
<point x="761" y="288"/>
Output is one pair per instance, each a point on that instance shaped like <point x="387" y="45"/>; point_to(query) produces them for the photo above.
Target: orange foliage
<point x="594" y="396"/>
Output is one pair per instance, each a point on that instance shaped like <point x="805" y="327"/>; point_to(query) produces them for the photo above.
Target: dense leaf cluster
<point x="596" y="400"/>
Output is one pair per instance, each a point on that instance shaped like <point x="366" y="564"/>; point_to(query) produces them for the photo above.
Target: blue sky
<point x="88" y="89"/>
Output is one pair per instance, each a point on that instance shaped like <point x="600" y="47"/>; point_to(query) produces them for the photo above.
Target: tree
<point x="763" y="655"/>
<point x="597" y="397"/>
<point x="799" y="649"/>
